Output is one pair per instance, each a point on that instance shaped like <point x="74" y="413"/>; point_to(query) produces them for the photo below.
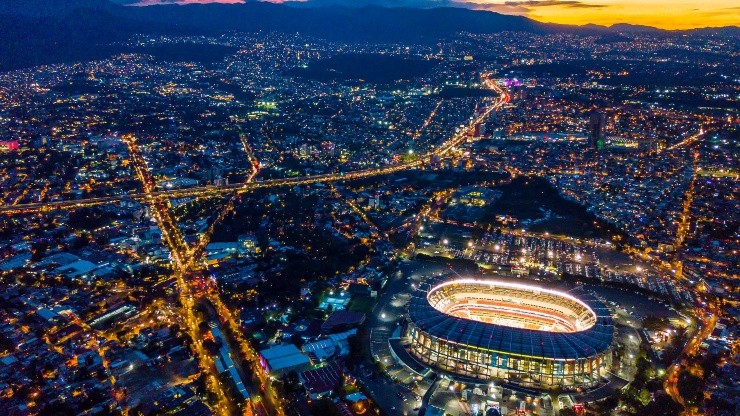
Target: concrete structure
<point x="526" y="335"/>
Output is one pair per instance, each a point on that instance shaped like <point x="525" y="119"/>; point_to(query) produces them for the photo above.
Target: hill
<point x="50" y="31"/>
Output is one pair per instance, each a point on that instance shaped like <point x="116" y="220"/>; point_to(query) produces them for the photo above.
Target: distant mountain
<point x="47" y="31"/>
<point x="733" y="31"/>
<point x="630" y="28"/>
<point x="51" y="8"/>
<point x="37" y="32"/>
<point x="370" y="23"/>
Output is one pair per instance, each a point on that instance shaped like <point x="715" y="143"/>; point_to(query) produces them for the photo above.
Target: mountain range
<point x="50" y="31"/>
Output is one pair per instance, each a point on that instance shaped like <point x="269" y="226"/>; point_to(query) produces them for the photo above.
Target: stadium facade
<point x="490" y="330"/>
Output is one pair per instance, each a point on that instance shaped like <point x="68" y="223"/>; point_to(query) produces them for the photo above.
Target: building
<point x="323" y="380"/>
<point x="596" y="129"/>
<point x="178" y="183"/>
<point x="520" y="334"/>
<point x="248" y="243"/>
<point x="282" y="359"/>
<point x="330" y="347"/>
<point x="225" y="364"/>
<point x="8" y="145"/>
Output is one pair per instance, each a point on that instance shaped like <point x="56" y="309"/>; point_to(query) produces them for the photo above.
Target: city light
<point x="239" y="218"/>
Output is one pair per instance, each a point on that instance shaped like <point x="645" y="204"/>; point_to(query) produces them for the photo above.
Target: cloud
<point x="160" y="2"/>
<point x="421" y="4"/>
<point x="501" y="6"/>
<point x="574" y="4"/>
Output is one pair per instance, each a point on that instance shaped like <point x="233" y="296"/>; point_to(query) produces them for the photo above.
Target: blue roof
<point x="284" y="356"/>
<point x="505" y="339"/>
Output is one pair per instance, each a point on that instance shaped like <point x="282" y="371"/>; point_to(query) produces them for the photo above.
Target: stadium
<point x="521" y="334"/>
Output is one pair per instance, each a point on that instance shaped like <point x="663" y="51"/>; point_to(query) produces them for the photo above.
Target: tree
<point x="644" y="397"/>
<point x="644" y="369"/>
<point x="324" y="407"/>
<point x="357" y="350"/>
<point x="663" y="405"/>
<point x="652" y="323"/>
<point x="297" y="340"/>
<point x="691" y="387"/>
<point x="291" y="382"/>
<point x="38" y="250"/>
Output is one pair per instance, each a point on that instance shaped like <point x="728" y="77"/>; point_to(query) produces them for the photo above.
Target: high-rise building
<point x="596" y="129"/>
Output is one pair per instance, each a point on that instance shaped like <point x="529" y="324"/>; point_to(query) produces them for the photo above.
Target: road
<point x="688" y="140"/>
<point x="205" y="238"/>
<point x="674" y="371"/>
<point x="179" y="252"/>
<point x="185" y="260"/>
<point x="686" y="218"/>
<point x="211" y="190"/>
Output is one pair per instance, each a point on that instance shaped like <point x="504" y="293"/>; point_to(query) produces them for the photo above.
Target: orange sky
<point x="667" y="14"/>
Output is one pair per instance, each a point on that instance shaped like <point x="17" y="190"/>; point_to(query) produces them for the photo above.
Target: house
<point x="322" y="381"/>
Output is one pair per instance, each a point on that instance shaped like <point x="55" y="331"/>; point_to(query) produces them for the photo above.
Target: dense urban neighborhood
<point x="276" y="222"/>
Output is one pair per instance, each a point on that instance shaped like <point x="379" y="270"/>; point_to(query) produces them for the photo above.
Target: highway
<point x="211" y="190"/>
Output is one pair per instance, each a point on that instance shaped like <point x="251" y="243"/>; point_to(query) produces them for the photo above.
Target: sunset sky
<point x="668" y="14"/>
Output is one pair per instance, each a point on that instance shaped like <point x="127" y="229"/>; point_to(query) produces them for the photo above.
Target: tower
<point x="596" y="129"/>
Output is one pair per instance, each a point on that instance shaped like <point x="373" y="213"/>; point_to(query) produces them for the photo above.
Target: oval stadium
<point x="489" y="329"/>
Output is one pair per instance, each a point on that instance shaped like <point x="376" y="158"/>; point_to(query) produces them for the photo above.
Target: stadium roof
<point x="505" y="339"/>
